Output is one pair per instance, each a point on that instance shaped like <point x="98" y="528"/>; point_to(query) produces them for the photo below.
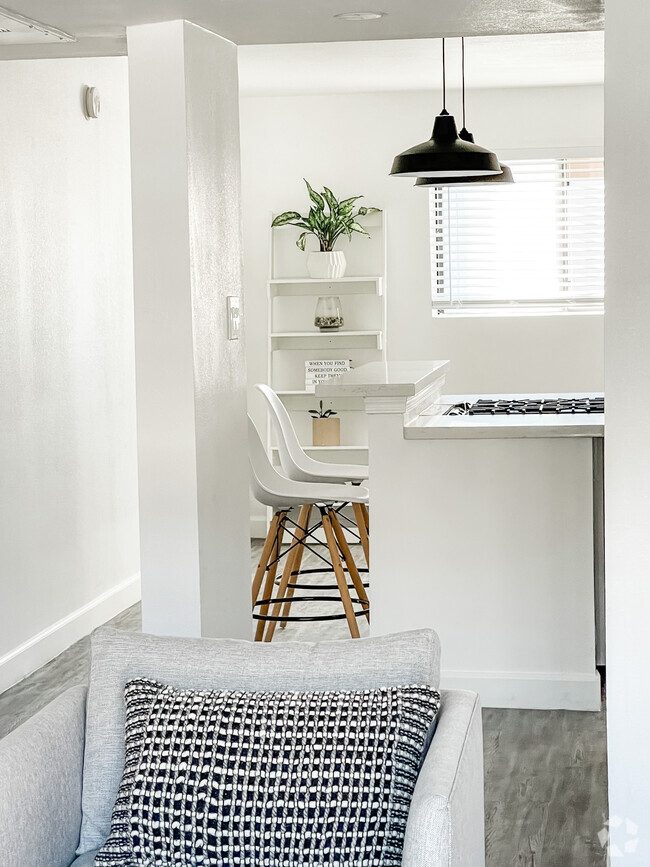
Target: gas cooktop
<point x="530" y="406"/>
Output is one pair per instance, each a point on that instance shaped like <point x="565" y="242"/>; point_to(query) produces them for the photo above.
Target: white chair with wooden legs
<point x="284" y="495"/>
<point x="297" y="465"/>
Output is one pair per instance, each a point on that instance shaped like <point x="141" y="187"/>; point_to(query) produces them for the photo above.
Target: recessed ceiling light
<point x="359" y="16"/>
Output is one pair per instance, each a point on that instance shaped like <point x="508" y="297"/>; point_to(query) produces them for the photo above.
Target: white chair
<point x="283" y="495"/>
<point x="297" y="465"/>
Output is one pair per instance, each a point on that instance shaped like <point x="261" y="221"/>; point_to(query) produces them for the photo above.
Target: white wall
<point x="348" y="143"/>
<point x="68" y="510"/>
<point x="517" y="629"/>
<point x="191" y="380"/>
<point x="627" y="423"/>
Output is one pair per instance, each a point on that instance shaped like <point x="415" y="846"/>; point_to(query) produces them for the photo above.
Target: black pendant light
<point x="446" y="154"/>
<point x="506" y="173"/>
<point x="504" y="178"/>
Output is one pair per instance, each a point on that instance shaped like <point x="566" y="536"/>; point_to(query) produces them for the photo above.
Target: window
<point x="534" y="246"/>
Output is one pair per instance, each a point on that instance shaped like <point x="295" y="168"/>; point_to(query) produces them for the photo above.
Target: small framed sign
<point x="316" y="370"/>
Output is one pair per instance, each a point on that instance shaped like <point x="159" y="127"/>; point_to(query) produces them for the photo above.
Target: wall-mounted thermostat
<point x="91" y="102"/>
<point x="234" y="317"/>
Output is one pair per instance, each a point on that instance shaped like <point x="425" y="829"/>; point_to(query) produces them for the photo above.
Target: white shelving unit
<point x="293" y="338"/>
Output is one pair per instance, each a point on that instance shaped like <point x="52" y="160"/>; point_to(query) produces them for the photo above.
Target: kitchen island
<point x="483" y="528"/>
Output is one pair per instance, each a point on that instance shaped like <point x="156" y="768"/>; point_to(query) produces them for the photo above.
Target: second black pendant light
<point x="446" y="154"/>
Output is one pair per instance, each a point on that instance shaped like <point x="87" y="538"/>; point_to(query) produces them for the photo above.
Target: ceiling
<point x="414" y="64"/>
<point x="99" y="25"/>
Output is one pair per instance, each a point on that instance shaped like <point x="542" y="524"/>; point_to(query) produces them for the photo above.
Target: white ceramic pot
<point x="327" y="266"/>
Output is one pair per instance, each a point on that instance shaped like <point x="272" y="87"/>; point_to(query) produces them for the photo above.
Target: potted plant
<point x="326" y="430"/>
<point x="328" y="220"/>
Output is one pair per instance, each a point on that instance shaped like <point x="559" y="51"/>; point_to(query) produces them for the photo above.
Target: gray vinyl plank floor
<point x="70" y="668"/>
<point x="545" y="787"/>
<point x="545" y="771"/>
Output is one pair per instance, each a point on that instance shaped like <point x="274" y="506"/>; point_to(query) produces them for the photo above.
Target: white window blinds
<point x="533" y="246"/>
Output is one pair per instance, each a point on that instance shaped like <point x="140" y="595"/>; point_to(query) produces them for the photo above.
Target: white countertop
<point x="383" y="379"/>
<point x="414" y="389"/>
<point x="431" y="423"/>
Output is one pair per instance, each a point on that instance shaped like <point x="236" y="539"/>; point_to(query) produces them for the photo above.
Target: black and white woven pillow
<point x="265" y="779"/>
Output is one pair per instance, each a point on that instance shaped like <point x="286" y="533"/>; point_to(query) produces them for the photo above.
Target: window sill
<point x="509" y="313"/>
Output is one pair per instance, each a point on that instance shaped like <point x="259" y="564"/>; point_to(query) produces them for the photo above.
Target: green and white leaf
<point x="355" y="227"/>
<point x="347" y="204"/>
<point x="363" y="211"/>
<point x="331" y="200"/>
<point x="300" y="243"/>
<point x="287" y="217"/>
<point x="315" y="197"/>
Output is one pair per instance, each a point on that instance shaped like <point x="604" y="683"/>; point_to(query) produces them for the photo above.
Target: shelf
<point x="282" y="334"/>
<point x="335" y="448"/>
<point x="277" y="281"/>
<point x="314" y="286"/>
<point x="331" y="448"/>
<point x="322" y="340"/>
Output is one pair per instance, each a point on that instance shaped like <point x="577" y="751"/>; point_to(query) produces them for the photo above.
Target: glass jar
<point x="329" y="314"/>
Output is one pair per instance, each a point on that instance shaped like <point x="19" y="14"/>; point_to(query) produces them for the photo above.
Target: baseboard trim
<point x="45" y="645"/>
<point x="540" y="691"/>
<point x="259" y="528"/>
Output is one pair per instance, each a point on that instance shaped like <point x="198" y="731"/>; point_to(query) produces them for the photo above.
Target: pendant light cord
<point x="462" y="56"/>
<point x="444" y="80"/>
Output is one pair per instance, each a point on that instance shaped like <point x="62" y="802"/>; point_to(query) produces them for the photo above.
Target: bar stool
<point x="283" y="495"/>
<point x="297" y="465"/>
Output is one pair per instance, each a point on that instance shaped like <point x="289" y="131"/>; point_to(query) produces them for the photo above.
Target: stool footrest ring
<point x="321" y="587"/>
<point x="365" y="607"/>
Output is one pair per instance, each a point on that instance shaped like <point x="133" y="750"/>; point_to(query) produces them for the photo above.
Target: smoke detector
<point x="15" y="29"/>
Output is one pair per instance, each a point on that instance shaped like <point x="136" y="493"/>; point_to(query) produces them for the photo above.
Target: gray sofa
<point x="61" y="770"/>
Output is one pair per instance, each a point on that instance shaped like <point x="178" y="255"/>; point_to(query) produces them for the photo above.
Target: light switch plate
<point x="234" y="319"/>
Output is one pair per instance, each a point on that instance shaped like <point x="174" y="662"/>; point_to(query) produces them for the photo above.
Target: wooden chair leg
<point x="265" y="557"/>
<point x="267" y="593"/>
<point x="366" y="515"/>
<point x="361" y="515"/>
<point x="349" y="561"/>
<point x="286" y="576"/>
<point x="301" y="532"/>
<point x="341" y="580"/>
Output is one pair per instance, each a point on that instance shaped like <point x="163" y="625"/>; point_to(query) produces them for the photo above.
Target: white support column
<point x="190" y="378"/>
<point x="627" y="424"/>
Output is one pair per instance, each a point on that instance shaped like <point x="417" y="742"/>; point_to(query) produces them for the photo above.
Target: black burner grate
<point x="530" y="406"/>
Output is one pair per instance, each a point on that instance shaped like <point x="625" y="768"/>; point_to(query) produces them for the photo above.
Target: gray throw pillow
<point x="230" y="777"/>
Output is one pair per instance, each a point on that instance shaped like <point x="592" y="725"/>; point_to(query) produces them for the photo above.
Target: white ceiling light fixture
<point x="359" y="16"/>
<point x="15" y="29"/>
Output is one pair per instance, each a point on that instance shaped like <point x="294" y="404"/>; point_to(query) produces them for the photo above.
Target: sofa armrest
<point x="41" y="765"/>
<point x="446" y="820"/>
